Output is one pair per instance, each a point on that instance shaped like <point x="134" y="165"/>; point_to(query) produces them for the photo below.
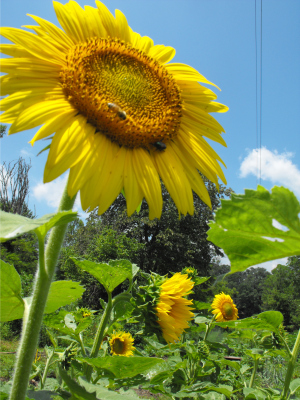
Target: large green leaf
<point x="275" y="318"/>
<point x="13" y="225"/>
<point x="11" y="302"/>
<point x="103" y="393"/>
<point x="109" y="275"/>
<point x="295" y="385"/>
<point x="123" y="367"/>
<point x="246" y="227"/>
<point x="62" y="293"/>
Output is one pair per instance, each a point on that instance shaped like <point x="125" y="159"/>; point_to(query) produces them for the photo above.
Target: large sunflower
<point x="224" y="308"/>
<point x="122" y="117"/>
<point x="173" y="308"/>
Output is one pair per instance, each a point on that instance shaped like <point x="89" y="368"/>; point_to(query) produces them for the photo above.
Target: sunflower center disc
<point x="118" y="346"/>
<point x="228" y="310"/>
<point x="128" y="96"/>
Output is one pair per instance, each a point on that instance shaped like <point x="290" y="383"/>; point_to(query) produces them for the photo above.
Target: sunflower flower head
<point x="224" y="308"/>
<point x="121" y="344"/>
<point x="173" y="309"/>
<point x="122" y="116"/>
<point x="161" y="305"/>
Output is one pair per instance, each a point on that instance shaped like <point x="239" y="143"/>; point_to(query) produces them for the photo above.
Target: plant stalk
<point x="48" y="362"/>
<point x="253" y="373"/>
<point x="32" y="323"/>
<point x="100" y="333"/>
<point x="291" y="366"/>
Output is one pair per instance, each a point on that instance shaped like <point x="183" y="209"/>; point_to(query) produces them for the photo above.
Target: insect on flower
<point x="115" y="108"/>
<point x="160" y="146"/>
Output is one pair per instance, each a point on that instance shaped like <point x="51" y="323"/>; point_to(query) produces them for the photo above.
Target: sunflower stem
<point x="100" y="333"/>
<point x="291" y="366"/>
<point x="33" y="317"/>
<point x="253" y="373"/>
<point x="208" y="328"/>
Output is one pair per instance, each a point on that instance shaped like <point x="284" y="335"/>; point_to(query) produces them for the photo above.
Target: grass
<point x="8" y="350"/>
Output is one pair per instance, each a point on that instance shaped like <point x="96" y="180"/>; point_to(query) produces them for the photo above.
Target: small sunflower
<point x="224" y="308"/>
<point x="122" y="116"/>
<point x="173" y="308"/>
<point x="121" y="344"/>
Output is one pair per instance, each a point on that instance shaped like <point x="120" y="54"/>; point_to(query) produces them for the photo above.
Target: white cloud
<point x="275" y="167"/>
<point x="268" y="265"/>
<point x="51" y="193"/>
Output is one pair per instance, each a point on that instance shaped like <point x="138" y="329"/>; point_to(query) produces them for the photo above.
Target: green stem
<point x="81" y="344"/>
<point x="208" y="328"/>
<point x="33" y="321"/>
<point x="100" y="334"/>
<point x="49" y="359"/>
<point x="291" y="366"/>
<point x="253" y="373"/>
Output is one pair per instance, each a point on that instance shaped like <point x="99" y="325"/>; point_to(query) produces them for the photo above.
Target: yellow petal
<point x="149" y="182"/>
<point x="89" y="167"/>
<point x="114" y="182"/>
<point x="39" y="113"/>
<point x="133" y="192"/>
<point x="193" y="176"/>
<point x="107" y="19"/>
<point x="172" y="173"/>
<point x="162" y="53"/>
<point x="185" y="72"/>
<point x="53" y="125"/>
<point x="54" y="32"/>
<point x="122" y="28"/>
<point x="34" y="44"/>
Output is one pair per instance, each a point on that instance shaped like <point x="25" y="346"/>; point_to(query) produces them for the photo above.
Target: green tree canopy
<point x="282" y="292"/>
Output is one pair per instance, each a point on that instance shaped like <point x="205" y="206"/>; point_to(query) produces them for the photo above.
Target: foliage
<point x="164" y="245"/>
<point x="257" y="226"/>
<point x="246" y="288"/>
<point x="173" y="242"/>
<point x="196" y="366"/>
<point x="282" y="292"/>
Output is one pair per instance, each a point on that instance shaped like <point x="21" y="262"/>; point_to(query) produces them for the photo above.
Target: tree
<point x="282" y="293"/>
<point x="14" y="189"/>
<point x="21" y="252"/>
<point x="172" y="242"/>
<point x="245" y="288"/>
<point x="81" y="241"/>
<point x="161" y="246"/>
<point x="2" y="130"/>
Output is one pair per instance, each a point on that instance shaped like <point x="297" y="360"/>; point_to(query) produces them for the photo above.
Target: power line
<point x="260" y="104"/>
<point x="258" y="93"/>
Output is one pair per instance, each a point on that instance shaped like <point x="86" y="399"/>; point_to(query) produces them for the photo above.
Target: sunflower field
<point x="127" y="122"/>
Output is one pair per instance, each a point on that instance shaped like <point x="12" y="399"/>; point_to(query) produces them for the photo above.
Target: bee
<point x="159" y="146"/>
<point x="115" y="108"/>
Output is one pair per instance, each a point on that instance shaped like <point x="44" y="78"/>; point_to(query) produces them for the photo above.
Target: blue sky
<point x="218" y="39"/>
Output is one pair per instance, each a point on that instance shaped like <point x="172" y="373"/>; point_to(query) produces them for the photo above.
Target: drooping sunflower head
<point x="173" y="309"/>
<point x="224" y="308"/>
<point x="121" y="344"/>
<point x="122" y="116"/>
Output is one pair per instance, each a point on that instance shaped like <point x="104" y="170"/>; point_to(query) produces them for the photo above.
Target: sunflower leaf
<point x="13" y="225"/>
<point x="258" y="226"/>
<point x="11" y="302"/>
<point x="12" y="305"/>
<point x="123" y="367"/>
<point x="109" y="275"/>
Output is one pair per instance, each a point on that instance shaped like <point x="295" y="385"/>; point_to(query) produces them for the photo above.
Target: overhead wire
<point x="258" y="93"/>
